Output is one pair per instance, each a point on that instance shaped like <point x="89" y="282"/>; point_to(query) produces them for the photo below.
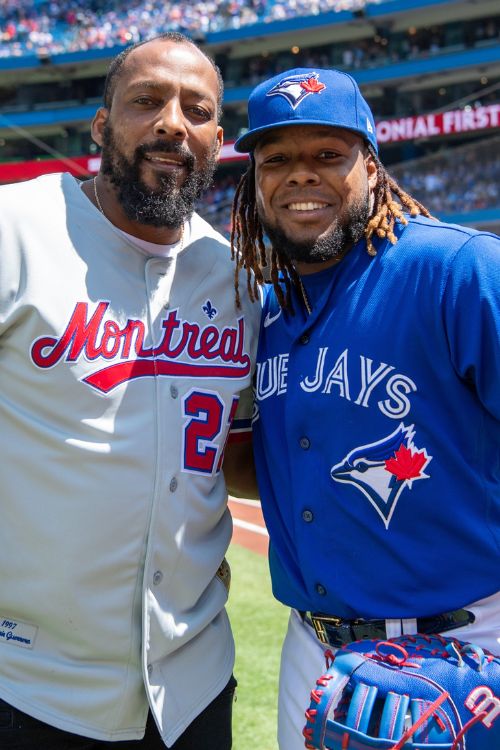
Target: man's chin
<point x="303" y="242"/>
<point x="308" y="245"/>
<point x="161" y="180"/>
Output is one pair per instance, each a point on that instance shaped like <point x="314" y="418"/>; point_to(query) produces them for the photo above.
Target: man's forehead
<point x="292" y="133"/>
<point x="160" y="61"/>
<point x="182" y="57"/>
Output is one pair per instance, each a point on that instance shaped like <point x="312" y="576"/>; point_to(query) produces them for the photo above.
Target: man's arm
<point x="472" y="317"/>
<point x="239" y="470"/>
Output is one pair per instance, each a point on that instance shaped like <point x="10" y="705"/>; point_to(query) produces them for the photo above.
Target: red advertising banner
<point x="80" y="166"/>
<point x="454" y="121"/>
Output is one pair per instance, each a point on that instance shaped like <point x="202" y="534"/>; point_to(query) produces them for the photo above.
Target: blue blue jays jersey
<point x="377" y="429"/>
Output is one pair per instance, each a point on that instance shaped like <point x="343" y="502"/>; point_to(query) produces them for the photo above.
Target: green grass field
<point x="259" y="624"/>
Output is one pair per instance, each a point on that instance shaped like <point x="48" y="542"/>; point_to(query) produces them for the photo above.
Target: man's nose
<point x="171" y="121"/>
<point x="302" y="173"/>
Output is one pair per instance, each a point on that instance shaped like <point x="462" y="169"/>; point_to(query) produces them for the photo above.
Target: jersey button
<point x="320" y="589"/>
<point x="307" y="516"/>
<point x="304" y="339"/>
<point x="173" y="484"/>
<point x="305" y="443"/>
<point x="173" y="391"/>
<point x="157" y="577"/>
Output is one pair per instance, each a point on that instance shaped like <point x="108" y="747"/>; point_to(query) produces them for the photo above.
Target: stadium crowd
<point x="54" y="26"/>
<point x="382" y="48"/>
<point x="49" y="27"/>
<point x="460" y="180"/>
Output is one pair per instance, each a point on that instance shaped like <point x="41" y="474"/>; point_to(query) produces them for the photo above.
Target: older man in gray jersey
<point x="122" y="361"/>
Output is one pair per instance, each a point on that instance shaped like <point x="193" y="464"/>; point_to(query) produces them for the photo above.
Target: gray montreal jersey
<point x="121" y="376"/>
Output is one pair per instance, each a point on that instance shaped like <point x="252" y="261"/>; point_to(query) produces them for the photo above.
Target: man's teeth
<point x="310" y="206"/>
<point x="164" y="159"/>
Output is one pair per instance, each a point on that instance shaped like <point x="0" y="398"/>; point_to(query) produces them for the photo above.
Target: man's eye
<point x="329" y="154"/>
<point x="274" y="159"/>
<point x="143" y="100"/>
<point x="200" y="112"/>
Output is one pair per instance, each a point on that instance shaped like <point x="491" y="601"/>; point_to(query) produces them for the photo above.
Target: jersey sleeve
<point x="472" y="317"/>
<point x="11" y="271"/>
<point x="241" y="426"/>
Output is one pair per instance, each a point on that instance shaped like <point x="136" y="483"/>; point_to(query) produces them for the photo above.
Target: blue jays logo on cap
<point x="295" y="88"/>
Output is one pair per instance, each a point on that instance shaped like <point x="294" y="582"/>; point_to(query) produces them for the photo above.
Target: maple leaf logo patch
<point x="296" y="88"/>
<point x="406" y="464"/>
<point x="383" y="469"/>
<point x="313" y="86"/>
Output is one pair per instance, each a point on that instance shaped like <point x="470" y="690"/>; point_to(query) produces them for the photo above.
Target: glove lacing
<point x="452" y="649"/>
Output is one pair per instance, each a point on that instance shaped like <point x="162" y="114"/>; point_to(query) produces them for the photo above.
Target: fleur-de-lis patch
<point x="209" y="310"/>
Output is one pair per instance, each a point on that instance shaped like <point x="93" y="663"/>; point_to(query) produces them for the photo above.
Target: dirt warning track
<point x="248" y="525"/>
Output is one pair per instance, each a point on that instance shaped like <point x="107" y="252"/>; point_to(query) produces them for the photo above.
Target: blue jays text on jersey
<point x="377" y="429"/>
<point x="354" y="380"/>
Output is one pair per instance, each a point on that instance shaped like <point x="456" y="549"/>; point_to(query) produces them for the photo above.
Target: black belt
<point x="337" y="632"/>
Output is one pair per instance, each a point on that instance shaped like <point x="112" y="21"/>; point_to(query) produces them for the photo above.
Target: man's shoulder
<point x="27" y="194"/>
<point x="429" y="240"/>
<point x="443" y="232"/>
<point x="208" y="256"/>
<point x="202" y="230"/>
<point x="206" y="248"/>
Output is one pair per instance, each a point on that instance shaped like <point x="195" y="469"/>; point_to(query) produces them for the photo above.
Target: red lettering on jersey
<point x="95" y="339"/>
<point x="108" y="378"/>
<point x="78" y="335"/>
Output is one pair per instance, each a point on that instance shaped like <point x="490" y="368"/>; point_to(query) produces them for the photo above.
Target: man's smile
<point x="306" y="205"/>
<point x="166" y="162"/>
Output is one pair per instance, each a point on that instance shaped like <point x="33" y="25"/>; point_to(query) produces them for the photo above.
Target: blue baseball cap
<point x="307" y="96"/>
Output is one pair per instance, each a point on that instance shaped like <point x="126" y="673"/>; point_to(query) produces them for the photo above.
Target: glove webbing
<point x="411" y="731"/>
<point x="426" y="715"/>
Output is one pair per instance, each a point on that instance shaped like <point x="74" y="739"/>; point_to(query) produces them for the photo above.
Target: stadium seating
<point x="430" y="69"/>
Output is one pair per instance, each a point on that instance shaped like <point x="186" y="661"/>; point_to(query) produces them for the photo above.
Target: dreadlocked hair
<point x="249" y="250"/>
<point x="386" y="211"/>
<point x="247" y="235"/>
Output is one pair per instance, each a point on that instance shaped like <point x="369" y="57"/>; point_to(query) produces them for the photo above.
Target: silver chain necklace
<point x="97" y="197"/>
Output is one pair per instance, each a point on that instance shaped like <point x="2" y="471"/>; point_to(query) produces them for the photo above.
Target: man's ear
<point x="220" y="141"/>
<point x="371" y="171"/>
<point x="98" y="124"/>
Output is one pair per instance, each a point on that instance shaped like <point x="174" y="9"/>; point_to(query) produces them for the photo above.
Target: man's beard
<point x="169" y="205"/>
<point x="335" y="243"/>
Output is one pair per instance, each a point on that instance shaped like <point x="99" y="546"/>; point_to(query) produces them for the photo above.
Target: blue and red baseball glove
<point x="408" y="693"/>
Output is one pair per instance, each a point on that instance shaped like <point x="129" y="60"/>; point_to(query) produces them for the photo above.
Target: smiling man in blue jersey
<point x="377" y="420"/>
